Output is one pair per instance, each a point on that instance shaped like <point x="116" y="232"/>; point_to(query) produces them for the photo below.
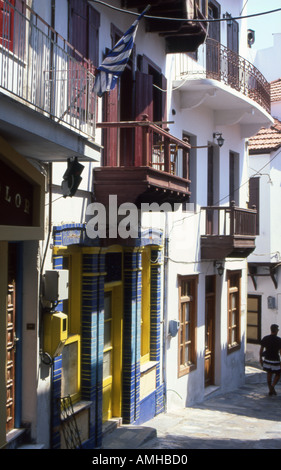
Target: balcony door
<point x="233" y="59"/>
<point x="212" y="189"/>
<point x="213" y="41"/>
<point x="234" y="178"/>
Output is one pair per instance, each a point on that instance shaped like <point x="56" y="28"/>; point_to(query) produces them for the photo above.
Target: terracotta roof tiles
<point x="275" y="90"/>
<point x="266" y="140"/>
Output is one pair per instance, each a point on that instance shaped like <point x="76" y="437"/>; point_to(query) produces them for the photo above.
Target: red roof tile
<point x="266" y="140"/>
<point x="275" y="90"/>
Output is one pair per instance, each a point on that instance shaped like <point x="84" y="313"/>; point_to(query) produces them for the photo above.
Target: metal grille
<point x="68" y="424"/>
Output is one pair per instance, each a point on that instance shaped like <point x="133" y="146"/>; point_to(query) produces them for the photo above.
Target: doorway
<point x="112" y="353"/>
<point x="12" y="339"/>
<point x="213" y="65"/>
<point x="210" y="316"/>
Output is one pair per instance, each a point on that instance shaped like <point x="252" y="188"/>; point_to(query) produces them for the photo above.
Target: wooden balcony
<point x="229" y="232"/>
<point x="154" y="168"/>
<point x="180" y="36"/>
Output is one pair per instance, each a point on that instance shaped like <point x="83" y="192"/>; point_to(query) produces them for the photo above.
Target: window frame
<point x="258" y="312"/>
<point x="146" y="307"/>
<point x="186" y="368"/>
<point x="233" y="290"/>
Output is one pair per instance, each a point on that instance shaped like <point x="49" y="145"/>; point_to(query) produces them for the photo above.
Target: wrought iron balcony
<point x="229" y="232"/>
<point x="215" y="61"/>
<point x="154" y="168"/>
<point x="38" y="69"/>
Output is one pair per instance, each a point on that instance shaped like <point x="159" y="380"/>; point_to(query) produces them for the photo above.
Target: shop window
<point x="145" y="311"/>
<point x="187" y="319"/>
<point x="234" y="309"/>
<point x="71" y="352"/>
<point x="70" y="376"/>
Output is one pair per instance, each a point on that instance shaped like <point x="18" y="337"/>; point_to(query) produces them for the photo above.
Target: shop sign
<point x="16" y="198"/>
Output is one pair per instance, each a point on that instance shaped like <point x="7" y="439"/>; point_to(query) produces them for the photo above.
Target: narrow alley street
<point x="246" y="418"/>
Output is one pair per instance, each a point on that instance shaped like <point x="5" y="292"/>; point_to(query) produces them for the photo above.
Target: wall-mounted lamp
<point x="219" y="137"/>
<point x="228" y="18"/>
<point x="219" y="267"/>
<point x="251" y="37"/>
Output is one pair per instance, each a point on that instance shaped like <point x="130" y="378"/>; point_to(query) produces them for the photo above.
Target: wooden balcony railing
<point x="39" y="68"/>
<point x="218" y="62"/>
<point x="229" y="231"/>
<point x="230" y="221"/>
<point x="153" y="147"/>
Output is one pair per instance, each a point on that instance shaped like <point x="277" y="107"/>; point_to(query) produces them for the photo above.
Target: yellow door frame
<point x="114" y="382"/>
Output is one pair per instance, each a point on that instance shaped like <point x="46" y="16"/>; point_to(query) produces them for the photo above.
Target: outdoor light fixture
<point x="219" y="137"/>
<point x="228" y="18"/>
<point x="251" y="37"/>
<point x="219" y="267"/>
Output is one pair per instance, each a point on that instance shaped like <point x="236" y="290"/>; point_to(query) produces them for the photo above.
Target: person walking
<point x="270" y="357"/>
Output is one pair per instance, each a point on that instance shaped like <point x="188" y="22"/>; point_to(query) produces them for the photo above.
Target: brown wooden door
<point x="11" y="339"/>
<point x="210" y="305"/>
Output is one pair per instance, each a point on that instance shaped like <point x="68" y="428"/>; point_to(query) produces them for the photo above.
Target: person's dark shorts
<point x="272" y="366"/>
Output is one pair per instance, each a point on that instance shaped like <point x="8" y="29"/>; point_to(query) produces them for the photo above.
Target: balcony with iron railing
<point x="154" y="168"/>
<point x="42" y="71"/>
<point x="229" y="232"/>
<point x="223" y="80"/>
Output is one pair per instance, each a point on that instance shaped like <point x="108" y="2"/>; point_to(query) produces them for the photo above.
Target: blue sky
<point x="264" y="25"/>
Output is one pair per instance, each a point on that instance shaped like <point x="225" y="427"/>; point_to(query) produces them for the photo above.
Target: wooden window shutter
<point x="78" y="27"/>
<point x="93" y="36"/>
<point x="144" y="105"/>
<point x="164" y="99"/>
<point x="254" y="199"/>
<point x="110" y="154"/>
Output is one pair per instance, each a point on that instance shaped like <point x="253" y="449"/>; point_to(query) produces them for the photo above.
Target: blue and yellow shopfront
<point x="110" y="362"/>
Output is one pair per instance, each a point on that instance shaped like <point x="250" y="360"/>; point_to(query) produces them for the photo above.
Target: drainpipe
<point x="50" y="182"/>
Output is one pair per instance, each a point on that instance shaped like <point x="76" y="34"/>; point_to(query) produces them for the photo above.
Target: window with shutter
<point x="84" y="23"/>
<point x="254" y="199"/>
<point x="7" y="24"/>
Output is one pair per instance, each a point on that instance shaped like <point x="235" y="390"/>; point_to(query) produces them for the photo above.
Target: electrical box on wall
<point x="56" y="285"/>
<point x="55" y="332"/>
<point x="173" y="327"/>
<point x="271" y="302"/>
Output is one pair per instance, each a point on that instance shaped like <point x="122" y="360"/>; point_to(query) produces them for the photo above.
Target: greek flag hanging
<point x="116" y="60"/>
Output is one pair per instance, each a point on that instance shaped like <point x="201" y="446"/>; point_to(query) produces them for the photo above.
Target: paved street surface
<point x="246" y="418"/>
